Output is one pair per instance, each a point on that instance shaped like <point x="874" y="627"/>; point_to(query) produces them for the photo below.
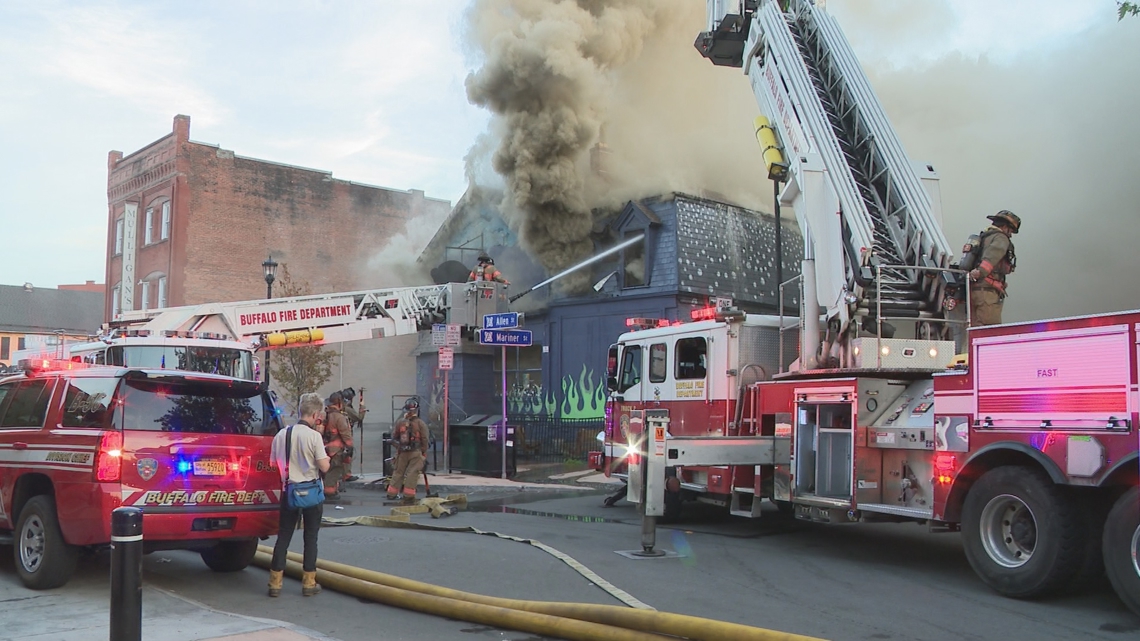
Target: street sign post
<point x="446" y="361"/>
<point x="505" y="320"/>
<point x="506" y="337"/>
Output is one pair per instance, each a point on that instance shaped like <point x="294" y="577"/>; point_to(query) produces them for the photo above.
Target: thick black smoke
<point x="554" y="72"/>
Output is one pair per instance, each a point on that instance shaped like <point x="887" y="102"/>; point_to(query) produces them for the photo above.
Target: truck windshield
<point x="195" y="408"/>
<point x="226" y="361"/>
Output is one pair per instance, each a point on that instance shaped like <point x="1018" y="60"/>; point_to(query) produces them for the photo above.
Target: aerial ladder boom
<point x="325" y="318"/>
<point x="872" y="231"/>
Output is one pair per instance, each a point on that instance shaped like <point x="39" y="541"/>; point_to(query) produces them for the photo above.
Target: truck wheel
<point x="1122" y="548"/>
<point x="43" y="559"/>
<point x="230" y="556"/>
<point x="1020" y="533"/>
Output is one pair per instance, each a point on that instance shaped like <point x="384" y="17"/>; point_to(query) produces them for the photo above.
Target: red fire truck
<point x="1030" y="450"/>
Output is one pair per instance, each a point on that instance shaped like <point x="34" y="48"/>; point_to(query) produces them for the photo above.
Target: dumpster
<point x="475" y="445"/>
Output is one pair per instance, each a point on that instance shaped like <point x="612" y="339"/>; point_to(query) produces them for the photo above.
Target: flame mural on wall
<point x="583" y="397"/>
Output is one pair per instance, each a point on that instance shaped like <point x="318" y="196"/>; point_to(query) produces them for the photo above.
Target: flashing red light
<point x="109" y="459"/>
<point x="50" y="365"/>
<point x="703" y="313"/>
<point x="945" y="462"/>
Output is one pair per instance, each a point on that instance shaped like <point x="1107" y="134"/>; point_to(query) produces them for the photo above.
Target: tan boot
<point x="275" y="579"/>
<point x="309" y="585"/>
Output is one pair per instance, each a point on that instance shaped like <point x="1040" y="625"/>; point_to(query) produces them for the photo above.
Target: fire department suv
<point x="190" y="449"/>
<point x="1030" y="451"/>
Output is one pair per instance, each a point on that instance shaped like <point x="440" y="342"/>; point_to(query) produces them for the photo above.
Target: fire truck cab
<point x="191" y="449"/>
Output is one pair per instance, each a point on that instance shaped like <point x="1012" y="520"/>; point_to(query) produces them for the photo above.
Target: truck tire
<point x="1122" y="548"/>
<point x="43" y="559"/>
<point x="1021" y="534"/>
<point x="230" y="556"/>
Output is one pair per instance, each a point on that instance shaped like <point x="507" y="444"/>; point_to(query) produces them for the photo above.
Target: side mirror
<point x="611" y="383"/>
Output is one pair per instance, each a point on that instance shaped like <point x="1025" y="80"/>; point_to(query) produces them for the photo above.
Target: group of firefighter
<point x="410" y="436"/>
<point x="410" y="439"/>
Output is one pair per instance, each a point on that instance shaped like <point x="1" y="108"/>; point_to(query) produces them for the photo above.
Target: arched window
<point x="153" y="291"/>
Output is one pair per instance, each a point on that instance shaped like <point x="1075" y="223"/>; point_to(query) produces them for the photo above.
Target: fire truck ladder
<point x="888" y="226"/>
<point x="886" y="210"/>
<point x="376" y="313"/>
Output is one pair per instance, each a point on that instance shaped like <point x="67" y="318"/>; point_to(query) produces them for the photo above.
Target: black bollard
<point x="126" y="574"/>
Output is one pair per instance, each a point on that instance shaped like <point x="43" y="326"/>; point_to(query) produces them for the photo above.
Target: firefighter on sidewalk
<point x="410" y="439"/>
<point x="995" y="261"/>
<point x="338" y="443"/>
<point x="355" y="419"/>
<point x="486" y="270"/>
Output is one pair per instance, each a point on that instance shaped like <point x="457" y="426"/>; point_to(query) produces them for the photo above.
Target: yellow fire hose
<point x="587" y="622"/>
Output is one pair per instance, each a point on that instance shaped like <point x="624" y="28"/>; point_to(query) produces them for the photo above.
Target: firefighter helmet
<point x="411" y="405"/>
<point x="336" y="398"/>
<point x="1007" y="217"/>
<point x="486" y="260"/>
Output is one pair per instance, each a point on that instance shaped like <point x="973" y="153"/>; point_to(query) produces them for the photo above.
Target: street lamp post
<point x="270" y="267"/>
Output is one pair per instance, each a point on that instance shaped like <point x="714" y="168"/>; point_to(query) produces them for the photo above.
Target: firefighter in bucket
<point x="410" y="439"/>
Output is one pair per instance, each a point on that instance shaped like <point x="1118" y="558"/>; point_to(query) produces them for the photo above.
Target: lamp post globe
<point x="270" y="267"/>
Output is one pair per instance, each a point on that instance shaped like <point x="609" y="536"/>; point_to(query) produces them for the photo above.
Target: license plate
<point x="210" y="468"/>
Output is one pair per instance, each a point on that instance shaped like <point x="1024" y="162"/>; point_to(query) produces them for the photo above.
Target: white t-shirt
<point x="306" y="450"/>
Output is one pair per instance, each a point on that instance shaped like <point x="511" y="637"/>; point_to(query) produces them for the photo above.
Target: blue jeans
<point x="287" y="522"/>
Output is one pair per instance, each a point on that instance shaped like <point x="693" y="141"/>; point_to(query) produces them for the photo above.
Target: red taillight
<point x="945" y="462"/>
<point x="109" y="457"/>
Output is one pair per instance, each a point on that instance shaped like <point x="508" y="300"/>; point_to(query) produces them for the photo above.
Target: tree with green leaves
<point x="1125" y="9"/>
<point x="297" y="370"/>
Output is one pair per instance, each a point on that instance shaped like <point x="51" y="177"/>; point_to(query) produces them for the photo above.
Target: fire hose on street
<point x="575" y="621"/>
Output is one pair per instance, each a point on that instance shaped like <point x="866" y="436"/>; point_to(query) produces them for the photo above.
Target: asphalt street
<point x="845" y="582"/>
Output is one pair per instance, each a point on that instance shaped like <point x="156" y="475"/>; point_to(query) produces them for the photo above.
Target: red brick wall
<point x="325" y="229"/>
<point x="146" y="178"/>
<point x="230" y="213"/>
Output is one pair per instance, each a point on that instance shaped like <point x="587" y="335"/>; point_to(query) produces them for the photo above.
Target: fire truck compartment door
<point x="712" y="450"/>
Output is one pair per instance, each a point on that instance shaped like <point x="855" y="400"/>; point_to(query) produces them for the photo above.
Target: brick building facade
<point x="191" y="223"/>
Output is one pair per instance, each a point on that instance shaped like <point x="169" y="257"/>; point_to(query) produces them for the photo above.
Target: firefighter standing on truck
<point x="338" y="443"/>
<point x="995" y="260"/>
<point x="486" y="270"/>
<point x="410" y="438"/>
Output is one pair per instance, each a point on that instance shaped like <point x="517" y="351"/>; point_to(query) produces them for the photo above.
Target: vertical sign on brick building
<point x="130" y="227"/>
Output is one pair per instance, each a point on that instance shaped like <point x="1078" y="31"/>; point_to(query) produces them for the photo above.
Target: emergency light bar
<point x="34" y="365"/>
<point x="715" y="313"/>
<point x="638" y="323"/>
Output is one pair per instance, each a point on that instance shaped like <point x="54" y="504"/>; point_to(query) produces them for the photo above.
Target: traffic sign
<point x="438" y="334"/>
<point x="505" y="320"/>
<point x="446" y="357"/>
<point x="452" y="337"/>
<point x="506" y="337"/>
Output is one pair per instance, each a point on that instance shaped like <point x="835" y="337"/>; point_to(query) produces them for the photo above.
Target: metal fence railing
<point x="549" y="439"/>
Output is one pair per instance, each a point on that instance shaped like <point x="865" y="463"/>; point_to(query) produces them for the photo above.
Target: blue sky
<point x="374" y="92"/>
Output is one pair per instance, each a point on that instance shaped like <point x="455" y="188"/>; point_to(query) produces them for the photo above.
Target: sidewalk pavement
<point x="171" y="617"/>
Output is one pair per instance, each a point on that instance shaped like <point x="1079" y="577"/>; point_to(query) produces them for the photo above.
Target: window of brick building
<point x="165" y="221"/>
<point x="161" y="292"/>
<point x="115" y="301"/>
<point x="118" y="236"/>
<point x="148" y="228"/>
<point x="145" y="302"/>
